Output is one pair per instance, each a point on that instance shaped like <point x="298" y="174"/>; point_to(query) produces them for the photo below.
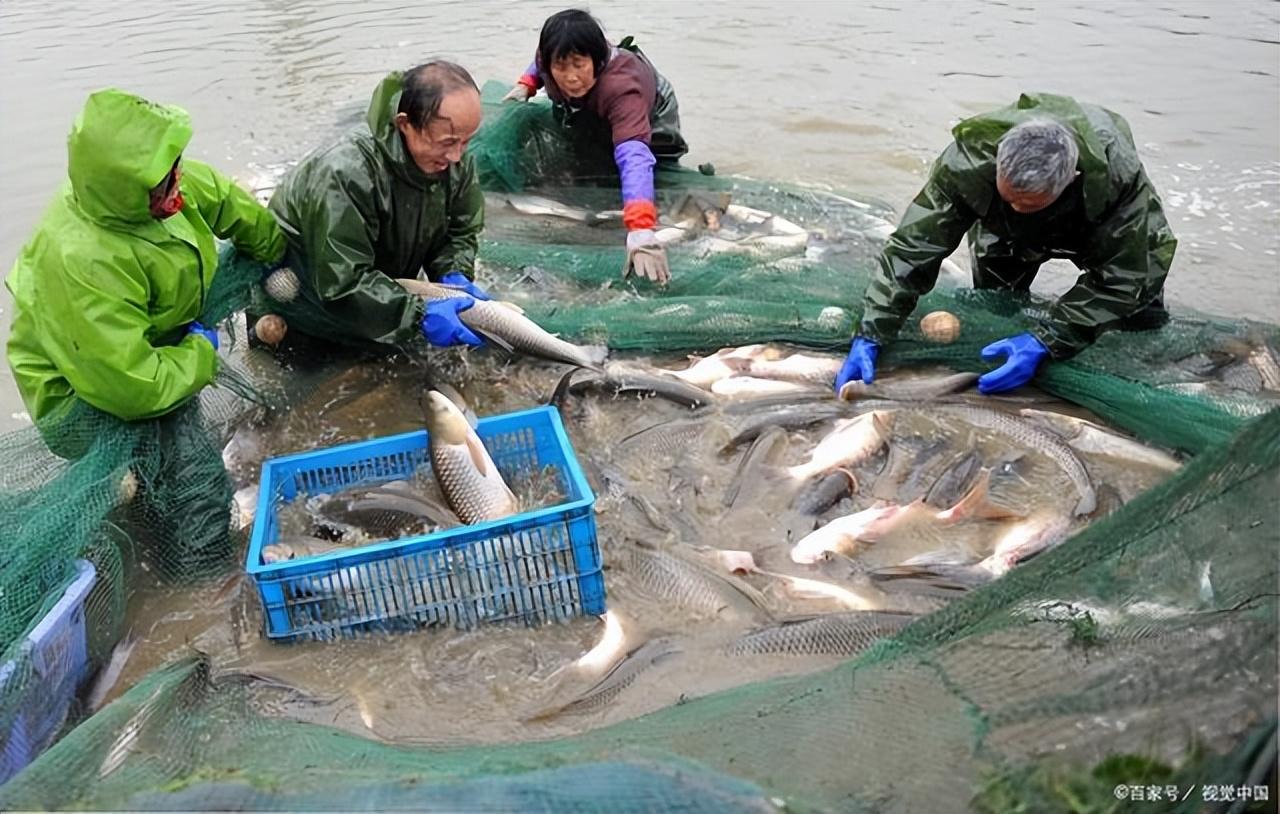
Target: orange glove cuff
<point x="639" y="215"/>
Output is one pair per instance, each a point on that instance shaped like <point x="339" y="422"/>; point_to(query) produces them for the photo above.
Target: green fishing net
<point x="1142" y="648"/>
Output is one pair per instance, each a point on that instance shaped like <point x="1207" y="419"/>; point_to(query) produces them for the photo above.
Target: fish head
<point x="444" y="420"/>
<point x="882" y="422"/>
<point x="278" y="552"/>
<point x="1031" y="536"/>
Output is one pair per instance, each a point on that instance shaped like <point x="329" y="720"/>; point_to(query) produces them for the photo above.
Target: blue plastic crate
<point x="58" y="657"/>
<point x="534" y="567"/>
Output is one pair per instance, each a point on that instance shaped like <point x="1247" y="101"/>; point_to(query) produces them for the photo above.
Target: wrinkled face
<point x="1021" y="201"/>
<point x="445" y="137"/>
<point x="575" y="74"/>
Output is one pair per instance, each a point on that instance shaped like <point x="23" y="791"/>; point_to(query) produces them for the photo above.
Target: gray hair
<point x="1038" y="156"/>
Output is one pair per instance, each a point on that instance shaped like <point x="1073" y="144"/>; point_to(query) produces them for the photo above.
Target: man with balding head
<point x="1047" y="177"/>
<point x="395" y="198"/>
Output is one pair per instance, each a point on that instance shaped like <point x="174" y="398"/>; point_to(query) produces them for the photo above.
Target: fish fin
<point x="562" y="389"/>
<point x="1052" y="423"/>
<point x="975" y="503"/>
<point x="761" y="451"/>
<point x="493" y="339"/>
<point x="882" y="420"/>
<point x="478" y="455"/>
<point x="752" y="594"/>
<point x="938" y="557"/>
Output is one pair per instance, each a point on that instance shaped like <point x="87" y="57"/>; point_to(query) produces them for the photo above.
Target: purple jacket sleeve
<point x="635" y="166"/>
<point x="531" y="78"/>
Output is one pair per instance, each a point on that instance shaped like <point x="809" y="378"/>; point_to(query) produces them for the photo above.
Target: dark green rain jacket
<point x="358" y="214"/>
<point x="1109" y="222"/>
<point x="104" y="291"/>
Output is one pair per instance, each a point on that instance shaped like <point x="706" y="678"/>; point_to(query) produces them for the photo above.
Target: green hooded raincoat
<point x="104" y="291"/>
<point x="1109" y="222"/>
<point x="358" y="214"/>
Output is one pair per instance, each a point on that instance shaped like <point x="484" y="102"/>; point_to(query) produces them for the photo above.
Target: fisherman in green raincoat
<point x="109" y="288"/>
<point x="396" y="198"/>
<point x="1046" y="177"/>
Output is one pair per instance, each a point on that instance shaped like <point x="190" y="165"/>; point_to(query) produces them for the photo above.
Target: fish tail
<point x="1088" y="502"/>
<point x="976" y="504"/>
<point x="765" y="448"/>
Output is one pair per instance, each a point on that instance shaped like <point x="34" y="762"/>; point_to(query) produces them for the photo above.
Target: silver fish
<point x="724" y="363"/>
<point x="429" y="504"/>
<point x="789" y="416"/>
<point x="1027" y="435"/>
<point x="692" y="585"/>
<point x="505" y="325"/>
<point x="951" y="569"/>
<point x="843" y="534"/>
<point x="662" y="444"/>
<point x="390" y="511"/>
<point x="539" y="206"/>
<point x="297" y="548"/>
<point x="753" y="387"/>
<point x="623" y="675"/>
<point x="469" y="479"/>
<point x="109" y="675"/>
<point x="904" y="389"/>
<point x="850" y="443"/>
<point x="618" y="380"/>
<point x="1085" y="436"/>
<point x="833" y="634"/>
<point x="801" y="368"/>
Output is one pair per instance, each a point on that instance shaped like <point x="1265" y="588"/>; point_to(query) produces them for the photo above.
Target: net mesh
<point x="1142" y="647"/>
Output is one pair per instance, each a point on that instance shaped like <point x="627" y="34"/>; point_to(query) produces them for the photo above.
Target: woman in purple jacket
<point x="590" y="81"/>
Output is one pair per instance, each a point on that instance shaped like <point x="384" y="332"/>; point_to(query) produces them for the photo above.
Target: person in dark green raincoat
<point x="1046" y="177"/>
<point x="395" y="198"/>
<point x="107" y="294"/>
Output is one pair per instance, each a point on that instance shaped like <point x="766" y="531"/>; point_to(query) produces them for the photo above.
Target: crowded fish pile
<point x="751" y="524"/>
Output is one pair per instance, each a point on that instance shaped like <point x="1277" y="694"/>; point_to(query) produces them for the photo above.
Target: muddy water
<point x="663" y="487"/>
<point x="860" y="96"/>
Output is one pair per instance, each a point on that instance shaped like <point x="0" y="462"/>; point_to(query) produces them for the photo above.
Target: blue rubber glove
<point x="861" y="364"/>
<point x="456" y="279"/>
<point x="211" y="334"/>
<point x="441" y="326"/>
<point x="1023" y="354"/>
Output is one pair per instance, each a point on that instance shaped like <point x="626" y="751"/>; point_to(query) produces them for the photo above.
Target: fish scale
<point x="693" y="586"/>
<point x="505" y="323"/>
<point x="472" y="498"/>
<point x="833" y="634"/>
<point x="468" y="477"/>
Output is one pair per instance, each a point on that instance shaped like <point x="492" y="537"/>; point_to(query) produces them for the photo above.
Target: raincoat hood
<point x="980" y="136"/>
<point x="382" y="124"/>
<point x="120" y="147"/>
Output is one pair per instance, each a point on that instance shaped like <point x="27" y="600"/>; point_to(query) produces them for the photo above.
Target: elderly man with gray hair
<point x="1046" y="177"/>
